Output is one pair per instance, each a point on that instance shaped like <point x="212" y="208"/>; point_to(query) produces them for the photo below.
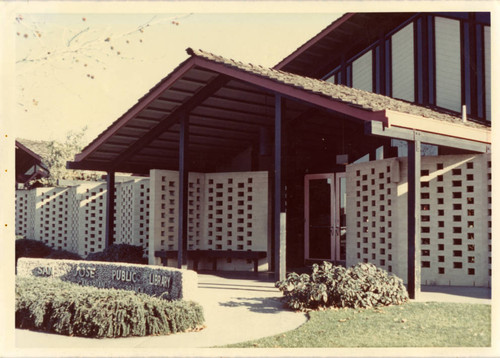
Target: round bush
<point x="119" y="253"/>
<point x="56" y="306"/>
<point x="362" y="285"/>
<point x="31" y="248"/>
<point x="63" y="255"/>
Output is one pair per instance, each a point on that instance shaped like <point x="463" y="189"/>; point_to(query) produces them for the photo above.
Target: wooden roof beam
<point x="187" y="106"/>
<point x="445" y="140"/>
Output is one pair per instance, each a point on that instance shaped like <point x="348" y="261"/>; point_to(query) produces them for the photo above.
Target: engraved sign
<point x="165" y="282"/>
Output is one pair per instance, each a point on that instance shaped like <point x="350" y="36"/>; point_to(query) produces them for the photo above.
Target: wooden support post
<point x="110" y="209"/>
<point x="183" y="192"/>
<point x="414" y="218"/>
<point x="279" y="214"/>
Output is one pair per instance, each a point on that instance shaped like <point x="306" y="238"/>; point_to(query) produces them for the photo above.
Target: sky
<point x="87" y="69"/>
<point x="74" y="64"/>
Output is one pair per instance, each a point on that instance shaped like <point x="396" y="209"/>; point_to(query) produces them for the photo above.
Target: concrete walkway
<point x="455" y="294"/>
<point x="237" y="308"/>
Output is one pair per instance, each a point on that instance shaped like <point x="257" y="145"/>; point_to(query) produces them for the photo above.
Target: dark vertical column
<point x="414" y="218"/>
<point x="279" y="215"/>
<point x="110" y="209"/>
<point x="183" y="192"/>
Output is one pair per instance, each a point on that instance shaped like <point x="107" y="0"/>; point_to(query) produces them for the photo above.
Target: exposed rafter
<point x="171" y="119"/>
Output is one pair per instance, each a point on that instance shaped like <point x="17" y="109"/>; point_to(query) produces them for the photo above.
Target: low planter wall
<point x="164" y="282"/>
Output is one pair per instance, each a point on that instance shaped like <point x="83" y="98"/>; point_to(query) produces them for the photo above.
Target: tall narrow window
<point x="403" y="64"/>
<point x="487" y="70"/>
<point x="362" y="75"/>
<point x="448" y="64"/>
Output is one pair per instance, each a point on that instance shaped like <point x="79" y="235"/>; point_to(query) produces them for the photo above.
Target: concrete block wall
<point x="92" y="217"/>
<point x="140" y="227"/>
<point x="227" y="211"/>
<point x="55" y="221"/>
<point x="25" y="213"/>
<point x="372" y="214"/>
<point x="74" y="218"/>
<point x="132" y="213"/>
<point x="124" y="212"/>
<point x="236" y="216"/>
<point x="164" y="216"/>
<point x="455" y="218"/>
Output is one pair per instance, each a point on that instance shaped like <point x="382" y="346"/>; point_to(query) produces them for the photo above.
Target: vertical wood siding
<point x="487" y="70"/>
<point x="403" y="64"/>
<point x="362" y="69"/>
<point x="448" y="64"/>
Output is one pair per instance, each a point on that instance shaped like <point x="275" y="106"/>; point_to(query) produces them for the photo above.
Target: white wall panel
<point x="227" y="211"/>
<point x="448" y="64"/>
<point x="372" y="218"/>
<point x="132" y="213"/>
<point x="487" y="69"/>
<point x="25" y="213"/>
<point x="455" y="218"/>
<point x="403" y="64"/>
<point x="92" y="218"/>
<point x="362" y="72"/>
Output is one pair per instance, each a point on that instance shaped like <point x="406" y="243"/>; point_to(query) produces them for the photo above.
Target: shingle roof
<point x="355" y="97"/>
<point x="39" y="147"/>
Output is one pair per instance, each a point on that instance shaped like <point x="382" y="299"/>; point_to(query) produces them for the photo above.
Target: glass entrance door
<point x="324" y="217"/>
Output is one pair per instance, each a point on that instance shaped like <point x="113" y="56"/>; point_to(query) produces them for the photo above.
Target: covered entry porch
<point x="214" y="115"/>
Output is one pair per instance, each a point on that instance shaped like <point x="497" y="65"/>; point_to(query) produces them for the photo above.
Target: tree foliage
<point x="58" y="154"/>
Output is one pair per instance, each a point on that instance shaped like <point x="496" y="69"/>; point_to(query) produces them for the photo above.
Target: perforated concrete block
<point x="226" y="211"/>
<point x="455" y="221"/>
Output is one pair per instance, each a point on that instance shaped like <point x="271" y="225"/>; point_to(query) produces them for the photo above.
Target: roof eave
<point x="344" y="18"/>
<point x="29" y="151"/>
<point x="142" y="103"/>
<point x="419" y="123"/>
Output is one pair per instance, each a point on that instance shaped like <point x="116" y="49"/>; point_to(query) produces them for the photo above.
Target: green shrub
<point x="119" y="253"/>
<point x="63" y="255"/>
<point x="31" y="248"/>
<point x="363" y="285"/>
<point x="55" y="306"/>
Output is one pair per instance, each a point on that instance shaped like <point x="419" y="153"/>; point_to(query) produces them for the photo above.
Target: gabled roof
<point x="38" y="148"/>
<point x="351" y="96"/>
<point x="29" y="160"/>
<point x="339" y="41"/>
<point x="228" y="103"/>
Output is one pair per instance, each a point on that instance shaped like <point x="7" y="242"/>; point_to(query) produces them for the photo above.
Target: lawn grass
<point x="411" y="325"/>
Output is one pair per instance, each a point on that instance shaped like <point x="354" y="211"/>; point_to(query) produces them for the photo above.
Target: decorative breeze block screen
<point x="74" y="218"/>
<point x="132" y="213"/>
<point x="92" y="217"/>
<point x="236" y="209"/>
<point x="25" y="213"/>
<point x="227" y="211"/>
<point x="164" y="214"/>
<point x="55" y="220"/>
<point x="372" y="217"/>
<point x="455" y="218"/>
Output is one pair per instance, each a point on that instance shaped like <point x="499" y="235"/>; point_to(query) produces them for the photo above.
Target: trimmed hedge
<point x="60" y="307"/>
<point x="360" y="286"/>
<point x="120" y="253"/>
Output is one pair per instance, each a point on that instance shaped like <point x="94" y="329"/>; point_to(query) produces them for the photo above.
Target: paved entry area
<point x="237" y="308"/>
<point x="457" y="294"/>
